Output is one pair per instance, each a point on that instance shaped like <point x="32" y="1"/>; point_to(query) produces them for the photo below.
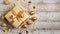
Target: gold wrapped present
<point x="16" y="16"/>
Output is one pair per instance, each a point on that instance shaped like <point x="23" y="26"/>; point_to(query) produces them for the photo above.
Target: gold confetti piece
<point x="3" y="25"/>
<point x="9" y="30"/>
<point x="34" y="7"/>
<point x="3" y="31"/>
<point x="6" y="2"/>
<point x="31" y="12"/>
<point x="26" y="31"/>
<point x="24" y="26"/>
<point x="29" y="2"/>
<point x="29" y="22"/>
<point x="3" y="17"/>
<point x="19" y="33"/>
<point x="34" y="18"/>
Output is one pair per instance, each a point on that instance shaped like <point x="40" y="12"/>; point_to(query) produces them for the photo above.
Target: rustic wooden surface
<point x="46" y="11"/>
